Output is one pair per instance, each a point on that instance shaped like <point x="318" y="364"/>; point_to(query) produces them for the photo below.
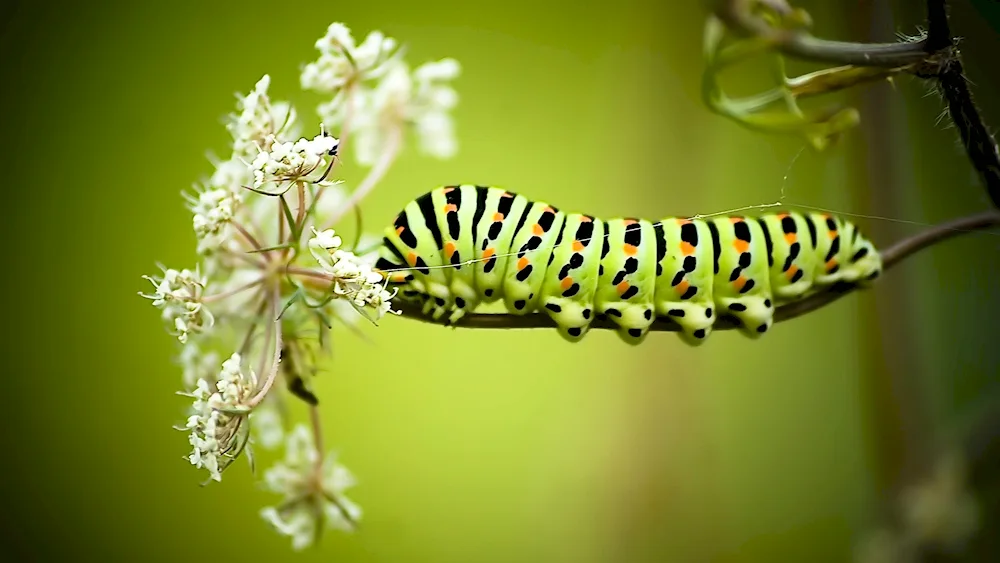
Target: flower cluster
<point x="352" y="278"/>
<point x="178" y="294"/>
<point x="376" y="95"/>
<point x="258" y="122"/>
<point x="313" y="492"/>
<point x="273" y="197"/>
<point x="303" y="160"/>
<point x="219" y="432"/>
<point x="213" y="208"/>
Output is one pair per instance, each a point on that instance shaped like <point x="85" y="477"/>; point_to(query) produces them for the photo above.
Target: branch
<point x="934" y="56"/>
<point x="891" y="256"/>
<point x="979" y="144"/>
<point x="739" y="16"/>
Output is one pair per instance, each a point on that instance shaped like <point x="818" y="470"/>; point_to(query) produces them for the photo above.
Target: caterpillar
<point x="458" y="246"/>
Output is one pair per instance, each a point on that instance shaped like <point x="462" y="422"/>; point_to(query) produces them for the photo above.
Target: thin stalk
<point x="231" y="292"/>
<point x="374" y="175"/>
<point x="317" y="430"/>
<point x="248" y="237"/>
<point x="272" y="374"/>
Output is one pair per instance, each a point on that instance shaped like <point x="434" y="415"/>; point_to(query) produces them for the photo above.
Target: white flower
<point x="421" y="99"/>
<point x="307" y="500"/>
<point x="218" y="421"/>
<point x="267" y="430"/>
<point x="231" y="175"/>
<point x="342" y="63"/>
<point x="213" y="209"/>
<point x="306" y="160"/>
<point x="433" y="99"/>
<point x="353" y="277"/>
<point x="378" y="113"/>
<point x="258" y="121"/>
<point x="195" y="364"/>
<point x="233" y="388"/>
<point x="215" y="203"/>
<point x="322" y="246"/>
<point x="178" y="294"/>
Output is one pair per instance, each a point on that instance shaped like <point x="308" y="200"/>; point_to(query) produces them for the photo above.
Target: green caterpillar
<point x="458" y="246"/>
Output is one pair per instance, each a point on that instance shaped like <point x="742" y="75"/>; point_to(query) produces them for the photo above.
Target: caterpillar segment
<point x="685" y="276"/>
<point x="458" y="246"/>
<point x="627" y="276"/>
<point x="742" y="287"/>
<point x="533" y="239"/>
<point x="573" y="274"/>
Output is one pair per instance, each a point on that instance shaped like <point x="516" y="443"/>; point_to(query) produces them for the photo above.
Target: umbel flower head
<point x="178" y="295"/>
<point x="353" y="279"/>
<point x="312" y="492"/>
<point x="377" y="96"/>
<point x="274" y="276"/>
<point x="218" y="421"/>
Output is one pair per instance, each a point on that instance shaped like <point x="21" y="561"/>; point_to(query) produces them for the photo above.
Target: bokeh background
<point x="483" y="446"/>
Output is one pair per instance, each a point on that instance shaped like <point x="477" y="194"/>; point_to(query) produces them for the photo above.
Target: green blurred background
<point x="480" y="446"/>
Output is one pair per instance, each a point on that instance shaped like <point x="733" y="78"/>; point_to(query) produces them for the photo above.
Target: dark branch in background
<point x="938" y="29"/>
<point x="979" y="144"/>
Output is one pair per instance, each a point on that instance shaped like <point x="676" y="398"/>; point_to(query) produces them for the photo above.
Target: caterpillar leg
<point x="685" y="277"/>
<point x="695" y="320"/>
<point x="627" y="278"/>
<point x="572" y="318"/>
<point x="571" y="277"/>
<point x="742" y="284"/>
<point x="755" y="313"/>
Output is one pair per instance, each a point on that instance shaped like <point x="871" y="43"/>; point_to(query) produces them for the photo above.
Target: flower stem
<point x="317" y="430"/>
<point x="377" y="173"/>
<point x="309" y="273"/>
<point x="246" y="235"/>
<point x="276" y="360"/>
<point x="344" y="133"/>
<point x="231" y="292"/>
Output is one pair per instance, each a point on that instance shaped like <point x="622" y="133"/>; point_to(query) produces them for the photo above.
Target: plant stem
<point x="231" y="292"/>
<point x="309" y="273"/>
<point x="276" y="360"/>
<point x="317" y="430"/>
<point x="738" y="15"/>
<point x="249" y="238"/>
<point x="344" y="133"/>
<point x="374" y="175"/>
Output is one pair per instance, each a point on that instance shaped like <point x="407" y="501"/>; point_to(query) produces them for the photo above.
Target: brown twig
<point x="739" y="16"/>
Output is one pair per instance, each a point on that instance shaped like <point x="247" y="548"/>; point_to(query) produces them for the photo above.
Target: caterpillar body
<point x="458" y="246"/>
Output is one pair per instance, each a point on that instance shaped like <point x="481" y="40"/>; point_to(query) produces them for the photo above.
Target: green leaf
<point x="299" y="294"/>
<point x="270" y="248"/>
<point x="296" y="228"/>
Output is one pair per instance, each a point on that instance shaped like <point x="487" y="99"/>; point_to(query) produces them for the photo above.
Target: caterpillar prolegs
<point x="458" y="246"/>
